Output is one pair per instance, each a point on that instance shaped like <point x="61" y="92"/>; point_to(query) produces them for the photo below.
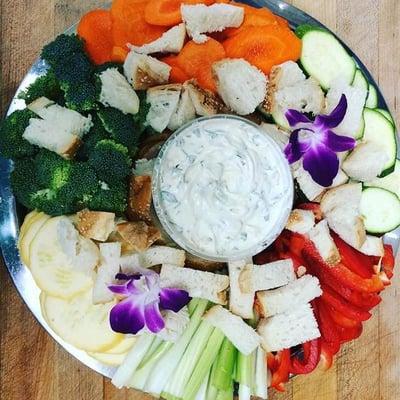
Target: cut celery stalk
<point x="192" y="306"/>
<point x="207" y="358"/>
<point x="226" y="360"/>
<point x="212" y="391"/>
<point x="152" y="350"/>
<point x="226" y="394"/>
<point x="202" y="392"/>
<point x="260" y="381"/>
<point x="245" y="369"/>
<point x="244" y="392"/>
<point x="141" y="375"/>
<point x="168" y="363"/>
<point x="125" y="371"/>
<point x="176" y="385"/>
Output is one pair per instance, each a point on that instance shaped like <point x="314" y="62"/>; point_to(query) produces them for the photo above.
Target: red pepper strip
<point x="326" y="359"/>
<point x="314" y="207"/>
<point x="341" y="320"/>
<point x="266" y="256"/>
<point x="339" y="304"/>
<point x="340" y="273"/>
<point x="388" y="261"/>
<point x="272" y="363"/>
<point x="281" y="374"/>
<point x="311" y="357"/>
<point x="355" y="261"/>
<point x="348" y="334"/>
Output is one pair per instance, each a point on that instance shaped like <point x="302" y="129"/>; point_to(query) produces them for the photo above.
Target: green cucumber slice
<point x="386" y="114"/>
<point x="380" y="131"/>
<point x="380" y="210"/>
<point x="372" y="98"/>
<point x="279" y="118"/>
<point x="324" y="58"/>
<point x="360" y="133"/>
<point x="390" y="182"/>
<point x="360" y="81"/>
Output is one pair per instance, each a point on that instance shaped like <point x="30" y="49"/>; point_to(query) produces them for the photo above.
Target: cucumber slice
<point x="360" y="133"/>
<point x="380" y="210"/>
<point x="386" y="114"/>
<point x="279" y="118"/>
<point x="390" y="182"/>
<point x="324" y="58"/>
<point x="360" y="80"/>
<point x="372" y="98"/>
<point x="380" y="131"/>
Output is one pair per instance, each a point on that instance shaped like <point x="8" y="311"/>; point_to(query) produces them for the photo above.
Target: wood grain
<point x="34" y="367"/>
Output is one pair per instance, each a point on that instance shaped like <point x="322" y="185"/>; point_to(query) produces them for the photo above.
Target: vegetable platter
<point x="90" y="238"/>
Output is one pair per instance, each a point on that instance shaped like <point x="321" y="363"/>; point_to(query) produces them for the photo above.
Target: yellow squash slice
<point x="113" y="360"/>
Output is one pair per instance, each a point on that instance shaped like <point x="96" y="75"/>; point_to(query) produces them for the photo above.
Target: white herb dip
<point x="223" y="188"/>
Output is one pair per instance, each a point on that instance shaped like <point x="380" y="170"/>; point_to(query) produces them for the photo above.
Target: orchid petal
<point x="173" y="299"/>
<point x="338" y="143"/>
<point x="335" y="117"/>
<point x="122" y="290"/>
<point x="295" y="117"/>
<point x="322" y="164"/>
<point x="295" y="149"/>
<point x="153" y="317"/>
<point x="127" y="316"/>
<point x="292" y="153"/>
<point x="124" y="277"/>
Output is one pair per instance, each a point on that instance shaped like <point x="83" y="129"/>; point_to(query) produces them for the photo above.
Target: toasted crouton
<point x="242" y="336"/>
<point x="39" y="104"/>
<point x="144" y="71"/>
<point x="170" y="41"/>
<point x="365" y="162"/>
<point x="300" y="221"/>
<point x="200" y="19"/>
<point x="241" y="86"/>
<point x="139" y="201"/>
<point x="205" y="102"/>
<point x="324" y="243"/>
<point x="138" y="235"/>
<point x="157" y="255"/>
<point x="373" y="246"/>
<point x="185" y="111"/>
<point x="202" y="264"/>
<point x="288" y="297"/>
<point x="95" y="225"/>
<point x="288" y="329"/>
<point x="341" y="208"/>
<point x="163" y="102"/>
<point x="205" y="285"/>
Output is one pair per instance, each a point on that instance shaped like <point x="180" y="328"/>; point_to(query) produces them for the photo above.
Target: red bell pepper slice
<point x="388" y="261"/>
<point x="355" y="261"/>
<point x="341" y="320"/>
<point x="326" y="359"/>
<point x="339" y="304"/>
<point x="348" y="334"/>
<point x="314" y="207"/>
<point x="281" y="374"/>
<point x="272" y="363"/>
<point x="311" y="357"/>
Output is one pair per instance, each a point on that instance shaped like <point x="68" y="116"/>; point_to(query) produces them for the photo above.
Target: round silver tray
<point x="11" y="215"/>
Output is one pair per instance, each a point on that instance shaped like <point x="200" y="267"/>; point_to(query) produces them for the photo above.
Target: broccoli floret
<point x="140" y="117"/>
<point x="112" y="198"/>
<point x="81" y="96"/>
<point x="96" y="133"/>
<point x="44" y="86"/>
<point x="52" y="202"/>
<point x="111" y="161"/>
<point x="12" y="144"/>
<point x="76" y="69"/>
<point x="64" y="46"/>
<point x="121" y="127"/>
<point x="52" y="171"/>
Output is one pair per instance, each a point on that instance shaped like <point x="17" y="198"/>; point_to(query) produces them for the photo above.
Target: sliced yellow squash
<point x="123" y="346"/>
<point x="113" y="360"/>
<point x="27" y="220"/>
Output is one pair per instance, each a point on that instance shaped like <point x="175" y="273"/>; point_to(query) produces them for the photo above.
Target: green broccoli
<point x="52" y="203"/>
<point x="81" y="97"/>
<point x="140" y="117"/>
<point x="76" y="69"/>
<point x="112" y="198"/>
<point x="121" y="127"/>
<point x="12" y="143"/>
<point x="44" y="86"/>
<point x="111" y="161"/>
<point x="58" y="51"/>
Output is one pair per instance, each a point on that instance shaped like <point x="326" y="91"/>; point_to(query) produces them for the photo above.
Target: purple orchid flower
<point x="142" y="299"/>
<point x="317" y="144"/>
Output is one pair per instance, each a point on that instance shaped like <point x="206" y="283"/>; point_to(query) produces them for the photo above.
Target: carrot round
<point x="95" y="28"/>
<point x="168" y="12"/>
<point x="118" y="54"/>
<point x="177" y="74"/>
<point x="264" y="46"/>
<point x="129" y="24"/>
<point x="197" y="59"/>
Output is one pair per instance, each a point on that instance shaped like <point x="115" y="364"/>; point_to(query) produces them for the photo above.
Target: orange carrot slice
<point x="168" y="12"/>
<point x="118" y="54"/>
<point x="264" y="46"/>
<point x="177" y="74"/>
<point x="129" y="25"/>
<point x="95" y="28"/>
<point x="197" y="59"/>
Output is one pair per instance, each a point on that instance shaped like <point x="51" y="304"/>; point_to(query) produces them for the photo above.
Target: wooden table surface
<point x="34" y="367"/>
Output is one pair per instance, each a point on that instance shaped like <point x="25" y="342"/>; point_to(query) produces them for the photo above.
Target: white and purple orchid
<point x="316" y="143"/>
<point x="142" y="299"/>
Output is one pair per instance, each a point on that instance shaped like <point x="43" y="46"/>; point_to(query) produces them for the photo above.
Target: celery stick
<point x="158" y="379"/>
<point x="226" y="394"/>
<point x="153" y="348"/>
<point x="192" y="305"/>
<point x="132" y="360"/>
<point x="261" y="384"/>
<point x="222" y="379"/>
<point x="212" y="391"/>
<point x="202" y="392"/>
<point x="141" y="375"/>
<point x="177" y="383"/>
<point x="245" y="369"/>
<point x="244" y="392"/>
<point x="207" y="358"/>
